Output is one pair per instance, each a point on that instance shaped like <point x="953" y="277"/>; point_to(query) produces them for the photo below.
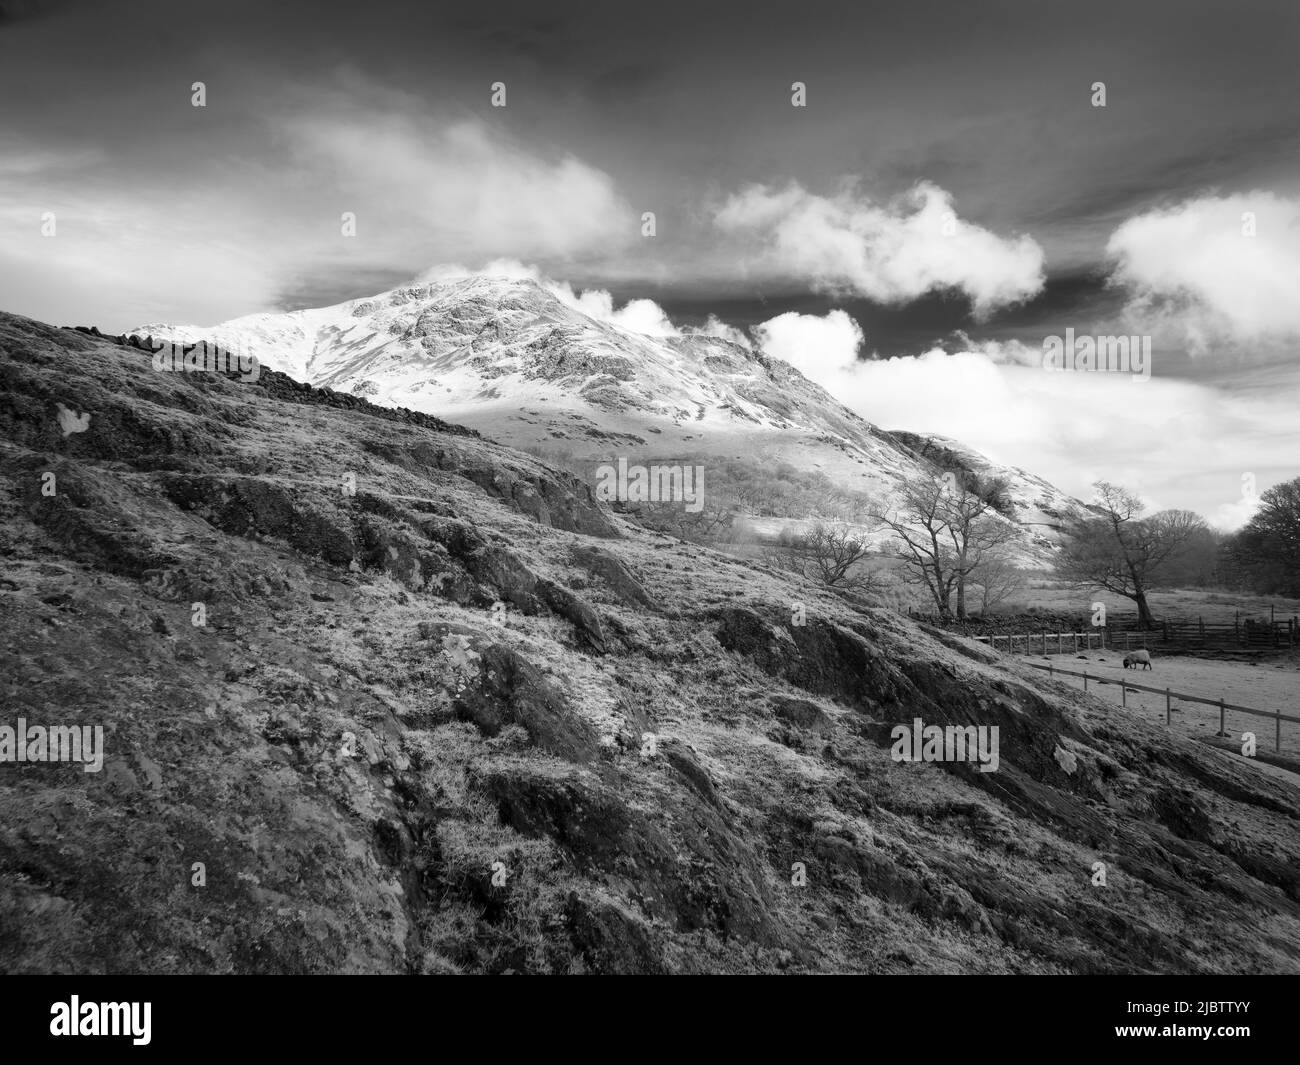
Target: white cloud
<point x="637" y="316"/>
<point x="115" y="262"/>
<point x="1071" y="428"/>
<point x="1012" y="352"/>
<point x="1190" y="268"/>
<point x="170" y="243"/>
<point x="819" y="347"/>
<point x="462" y="187"/>
<point x="1235" y="514"/>
<point x="715" y="327"/>
<point x="890" y="252"/>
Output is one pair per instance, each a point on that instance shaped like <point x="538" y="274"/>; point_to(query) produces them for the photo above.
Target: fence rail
<point x="1168" y="636"/>
<point x="1126" y="686"/>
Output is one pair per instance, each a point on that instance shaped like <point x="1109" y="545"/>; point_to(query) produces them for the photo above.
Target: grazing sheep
<point x="1133" y="658"/>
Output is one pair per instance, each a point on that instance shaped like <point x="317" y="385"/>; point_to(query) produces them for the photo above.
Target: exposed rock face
<point x="379" y="695"/>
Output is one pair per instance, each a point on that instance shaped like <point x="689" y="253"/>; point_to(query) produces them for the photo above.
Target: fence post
<point x="1085" y="680"/>
<point x="1044" y="645"/>
<point x="1277" y="738"/>
<point x="1167" y="721"/>
<point x="1123" y="694"/>
<point x="1222" y="727"/>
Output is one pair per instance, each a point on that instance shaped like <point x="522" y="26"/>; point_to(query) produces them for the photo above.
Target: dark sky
<point x="316" y="108"/>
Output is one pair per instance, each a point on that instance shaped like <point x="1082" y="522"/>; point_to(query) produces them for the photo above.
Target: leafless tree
<point x="833" y="553"/>
<point x="1120" y="550"/>
<point x="945" y="529"/>
<point x="997" y="578"/>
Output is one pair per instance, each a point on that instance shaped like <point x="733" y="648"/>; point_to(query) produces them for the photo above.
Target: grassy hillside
<point x="466" y="720"/>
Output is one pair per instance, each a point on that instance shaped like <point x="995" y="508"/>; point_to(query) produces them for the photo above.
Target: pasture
<point x="1270" y="684"/>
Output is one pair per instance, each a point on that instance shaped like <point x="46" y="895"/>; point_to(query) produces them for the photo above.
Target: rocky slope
<point x="463" y="719"/>
<point x="511" y="359"/>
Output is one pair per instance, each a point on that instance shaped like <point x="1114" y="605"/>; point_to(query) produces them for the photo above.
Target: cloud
<point x="715" y="327"/>
<point x="512" y="269"/>
<point x="637" y="316"/>
<point x="463" y="187"/>
<point x="166" y="237"/>
<point x="1235" y="514"/>
<point x="890" y="252"/>
<point x="1192" y="269"/>
<point x="1003" y="352"/>
<point x="819" y="347"/>
<point x="115" y="258"/>
<point x="1071" y="428"/>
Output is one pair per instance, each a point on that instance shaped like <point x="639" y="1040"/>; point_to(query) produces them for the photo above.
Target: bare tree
<point x="945" y="529"/>
<point x="997" y="578"/>
<point x="834" y="550"/>
<point x="1121" y="551"/>
<point x="832" y="553"/>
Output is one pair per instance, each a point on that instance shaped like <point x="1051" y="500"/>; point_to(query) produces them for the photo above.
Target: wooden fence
<point x="1169" y="636"/>
<point x="1032" y="641"/>
<point x="1179" y="633"/>
<point x="1125" y="686"/>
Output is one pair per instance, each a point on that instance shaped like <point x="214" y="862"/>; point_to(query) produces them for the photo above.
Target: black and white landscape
<point x="571" y="489"/>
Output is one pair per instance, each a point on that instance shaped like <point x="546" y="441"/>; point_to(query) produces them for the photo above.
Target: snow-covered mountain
<point x="523" y="366"/>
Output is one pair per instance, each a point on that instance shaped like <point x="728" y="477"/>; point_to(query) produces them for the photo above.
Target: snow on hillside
<point x="511" y="359"/>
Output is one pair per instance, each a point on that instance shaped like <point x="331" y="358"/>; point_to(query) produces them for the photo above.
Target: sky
<point x="949" y="195"/>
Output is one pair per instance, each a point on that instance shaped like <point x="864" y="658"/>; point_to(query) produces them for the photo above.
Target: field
<point x="1217" y="607"/>
<point x="1271" y="684"/>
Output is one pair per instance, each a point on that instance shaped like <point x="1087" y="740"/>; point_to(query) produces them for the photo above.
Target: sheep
<point x="1134" y="658"/>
